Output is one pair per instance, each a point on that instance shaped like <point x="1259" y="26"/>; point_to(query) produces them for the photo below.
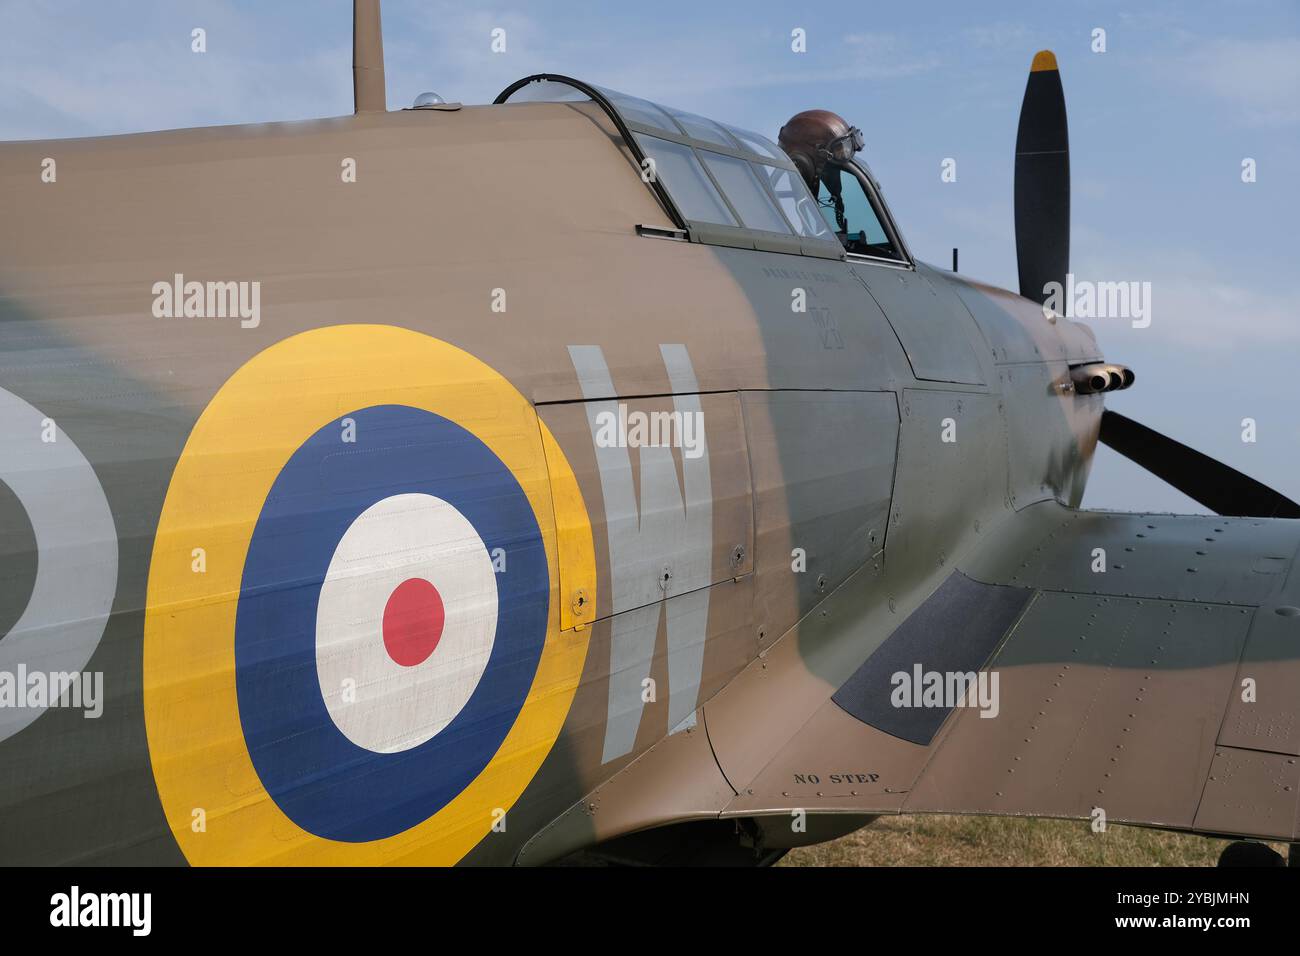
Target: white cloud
<point x="1260" y="79"/>
<point x="85" y="70"/>
<point x="1000" y="38"/>
<point x="885" y="56"/>
<point x="1195" y="304"/>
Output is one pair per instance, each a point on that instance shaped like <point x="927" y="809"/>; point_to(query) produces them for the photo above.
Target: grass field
<point x="1003" y="841"/>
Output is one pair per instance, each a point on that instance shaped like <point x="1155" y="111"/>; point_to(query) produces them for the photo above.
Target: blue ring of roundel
<point x="320" y="779"/>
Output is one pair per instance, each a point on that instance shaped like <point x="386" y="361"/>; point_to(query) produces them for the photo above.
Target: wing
<point x="1147" y="665"/>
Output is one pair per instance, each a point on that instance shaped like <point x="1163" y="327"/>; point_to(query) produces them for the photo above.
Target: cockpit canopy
<point x="721" y="184"/>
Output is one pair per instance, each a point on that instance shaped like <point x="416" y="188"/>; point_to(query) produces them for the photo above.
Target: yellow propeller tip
<point x="1043" y="60"/>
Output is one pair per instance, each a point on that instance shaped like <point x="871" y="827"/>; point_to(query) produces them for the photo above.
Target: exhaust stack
<point x="1100" y="377"/>
<point x="368" y="92"/>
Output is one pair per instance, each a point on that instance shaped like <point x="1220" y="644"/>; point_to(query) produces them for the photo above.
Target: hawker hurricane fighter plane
<point x="490" y="484"/>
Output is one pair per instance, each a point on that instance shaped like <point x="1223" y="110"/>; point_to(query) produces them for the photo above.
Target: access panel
<point x="665" y="482"/>
<point x="823" y="474"/>
<point x="934" y="328"/>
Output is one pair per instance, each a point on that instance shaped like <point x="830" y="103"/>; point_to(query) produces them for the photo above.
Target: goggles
<point x="842" y="148"/>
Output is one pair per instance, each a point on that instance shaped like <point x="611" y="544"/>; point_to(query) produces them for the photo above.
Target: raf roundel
<point x="369" y="666"/>
<point x="383" y="685"/>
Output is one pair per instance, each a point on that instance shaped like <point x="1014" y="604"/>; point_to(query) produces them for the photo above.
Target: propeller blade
<point x="1222" y="489"/>
<point x="1042" y="181"/>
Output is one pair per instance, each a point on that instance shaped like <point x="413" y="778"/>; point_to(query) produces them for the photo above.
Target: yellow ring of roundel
<point x="215" y="803"/>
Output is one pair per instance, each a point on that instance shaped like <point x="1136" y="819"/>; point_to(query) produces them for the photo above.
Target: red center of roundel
<point x="413" y="620"/>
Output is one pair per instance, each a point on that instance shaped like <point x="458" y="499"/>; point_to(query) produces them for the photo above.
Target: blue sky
<point x="1159" y="125"/>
